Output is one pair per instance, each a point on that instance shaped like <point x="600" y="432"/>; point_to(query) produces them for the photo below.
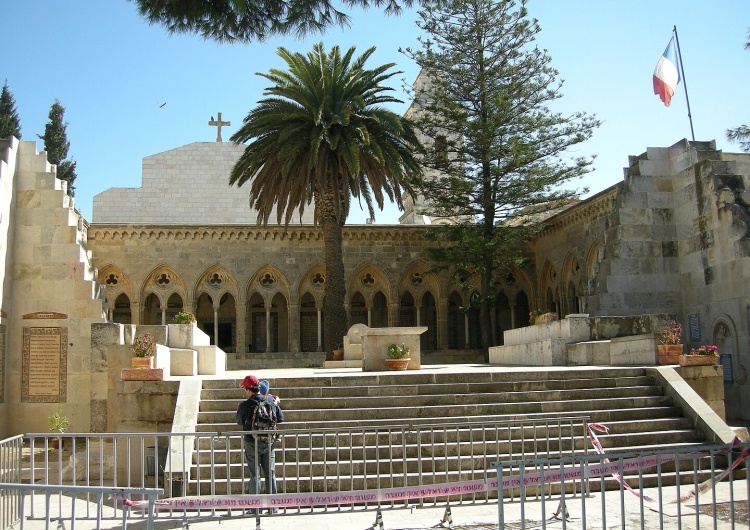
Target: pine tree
<point x="10" y="123"/>
<point x="254" y="20"/>
<point x="498" y="150"/>
<point x="56" y="144"/>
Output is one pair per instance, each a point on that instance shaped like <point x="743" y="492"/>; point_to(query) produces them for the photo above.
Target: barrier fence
<point x="10" y="471"/>
<point x="309" y="464"/>
<point x="542" y="479"/>
<point x="687" y="488"/>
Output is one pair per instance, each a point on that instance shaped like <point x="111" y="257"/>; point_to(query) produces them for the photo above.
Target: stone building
<point x="672" y="237"/>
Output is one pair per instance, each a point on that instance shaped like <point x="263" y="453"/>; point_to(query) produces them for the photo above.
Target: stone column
<point x="216" y="326"/>
<point x="241" y="316"/>
<point x="135" y="311"/>
<point x="320" y="330"/>
<point x="293" y="335"/>
<point x="268" y="330"/>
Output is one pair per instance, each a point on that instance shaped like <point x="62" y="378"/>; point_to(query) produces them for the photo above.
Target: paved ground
<point x="467" y="517"/>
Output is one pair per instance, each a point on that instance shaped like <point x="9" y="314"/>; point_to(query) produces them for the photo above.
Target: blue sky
<point x="112" y="72"/>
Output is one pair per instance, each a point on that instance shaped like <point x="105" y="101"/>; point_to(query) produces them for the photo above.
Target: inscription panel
<point x="45" y="360"/>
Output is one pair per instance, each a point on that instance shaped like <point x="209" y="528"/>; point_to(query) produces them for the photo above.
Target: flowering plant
<point x="705" y="350"/>
<point x="184" y="317"/>
<point x="143" y="346"/>
<point x="535" y="313"/>
<point x="671" y="334"/>
<point x="395" y="351"/>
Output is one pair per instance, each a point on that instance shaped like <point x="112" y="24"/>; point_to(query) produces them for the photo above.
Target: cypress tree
<point x="10" y="123"/>
<point x="56" y="144"/>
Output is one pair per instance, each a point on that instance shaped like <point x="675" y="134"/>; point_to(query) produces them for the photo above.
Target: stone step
<point x="633" y="415"/>
<point x="411" y="378"/>
<point x="231" y="394"/>
<point x="626" y="399"/>
<point x="294" y="404"/>
<point x="456" y="410"/>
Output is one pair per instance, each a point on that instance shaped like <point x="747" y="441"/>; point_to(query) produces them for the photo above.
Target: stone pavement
<point x="471" y="517"/>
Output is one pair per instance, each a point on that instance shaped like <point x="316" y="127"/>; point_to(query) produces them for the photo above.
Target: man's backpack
<point x="262" y="418"/>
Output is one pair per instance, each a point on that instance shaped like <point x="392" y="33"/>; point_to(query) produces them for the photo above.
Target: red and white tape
<point x="293" y="500"/>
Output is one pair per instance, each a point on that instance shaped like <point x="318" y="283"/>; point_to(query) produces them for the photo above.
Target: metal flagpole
<point x="684" y="81"/>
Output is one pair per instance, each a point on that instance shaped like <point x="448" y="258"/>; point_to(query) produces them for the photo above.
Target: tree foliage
<point x="253" y="20"/>
<point x="484" y="99"/>
<point x="10" y="123"/>
<point x="322" y="136"/>
<point x="741" y="133"/>
<point x="56" y="145"/>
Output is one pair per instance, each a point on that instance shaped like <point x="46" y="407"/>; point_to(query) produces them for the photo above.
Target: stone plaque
<point x="45" y="315"/>
<point x="44" y="373"/>
<point x="695" y="327"/>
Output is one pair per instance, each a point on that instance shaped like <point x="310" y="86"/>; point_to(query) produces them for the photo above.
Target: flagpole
<point x="684" y="81"/>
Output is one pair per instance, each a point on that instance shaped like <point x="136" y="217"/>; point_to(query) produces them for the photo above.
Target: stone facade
<point x="187" y="185"/>
<point x="50" y="293"/>
<point x="671" y="238"/>
<point x="674" y="238"/>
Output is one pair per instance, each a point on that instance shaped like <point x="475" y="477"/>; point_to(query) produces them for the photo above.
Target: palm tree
<point x="321" y="136"/>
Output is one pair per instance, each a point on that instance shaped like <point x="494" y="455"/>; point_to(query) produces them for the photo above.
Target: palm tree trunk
<point x="335" y="321"/>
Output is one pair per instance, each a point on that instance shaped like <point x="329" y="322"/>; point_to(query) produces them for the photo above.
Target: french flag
<point x="667" y="74"/>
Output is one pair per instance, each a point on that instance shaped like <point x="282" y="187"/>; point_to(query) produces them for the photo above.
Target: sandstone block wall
<point x="187" y="185"/>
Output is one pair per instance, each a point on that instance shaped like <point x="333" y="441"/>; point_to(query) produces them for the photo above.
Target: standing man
<point x="259" y="413"/>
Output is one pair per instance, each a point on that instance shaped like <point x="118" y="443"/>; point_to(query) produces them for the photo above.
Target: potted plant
<point x="57" y="423"/>
<point x="184" y="317"/>
<point x="670" y="343"/>
<point x="533" y="315"/>
<point x="338" y="353"/>
<point x="705" y="355"/>
<point x="541" y="316"/>
<point x="397" y="357"/>
<point x="143" y="349"/>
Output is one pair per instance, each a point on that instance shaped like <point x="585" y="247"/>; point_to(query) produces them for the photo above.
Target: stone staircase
<point x="631" y="401"/>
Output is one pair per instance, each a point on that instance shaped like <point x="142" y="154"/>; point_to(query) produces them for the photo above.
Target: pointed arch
<point x="160" y="284"/>
<point x="571" y="279"/>
<point x="117" y="290"/>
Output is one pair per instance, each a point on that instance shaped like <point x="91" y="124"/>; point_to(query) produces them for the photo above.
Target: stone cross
<point x="218" y="124"/>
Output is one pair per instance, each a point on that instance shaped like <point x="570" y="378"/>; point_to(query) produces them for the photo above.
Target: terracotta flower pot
<point x="398" y="364"/>
<point x="669" y="353"/>
<point x="546" y="318"/>
<point x="338" y="354"/>
<point x="698" y="360"/>
<point x="141" y="362"/>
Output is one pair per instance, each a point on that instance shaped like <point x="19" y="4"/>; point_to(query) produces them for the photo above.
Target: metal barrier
<point x="67" y="503"/>
<point x="10" y="471"/>
<point x="650" y="489"/>
<point x="348" y="460"/>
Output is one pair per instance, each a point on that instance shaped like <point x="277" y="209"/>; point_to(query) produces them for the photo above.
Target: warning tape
<point x="572" y="473"/>
<point x="702" y="488"/>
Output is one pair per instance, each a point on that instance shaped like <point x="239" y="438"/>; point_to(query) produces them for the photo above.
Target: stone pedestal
<point x="142" y="374"/>
<point x="375" y="342"/>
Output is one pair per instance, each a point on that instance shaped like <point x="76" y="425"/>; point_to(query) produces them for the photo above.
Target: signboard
<point x="44" y="366"/>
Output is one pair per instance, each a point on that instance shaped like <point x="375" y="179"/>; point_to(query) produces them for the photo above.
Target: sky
<point x="131" y="90"/>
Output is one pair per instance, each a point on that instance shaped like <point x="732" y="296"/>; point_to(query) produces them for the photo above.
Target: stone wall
<point x="673" y="238"/>
<point x="54" y="294"/>
<point x="184" y="186"/>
